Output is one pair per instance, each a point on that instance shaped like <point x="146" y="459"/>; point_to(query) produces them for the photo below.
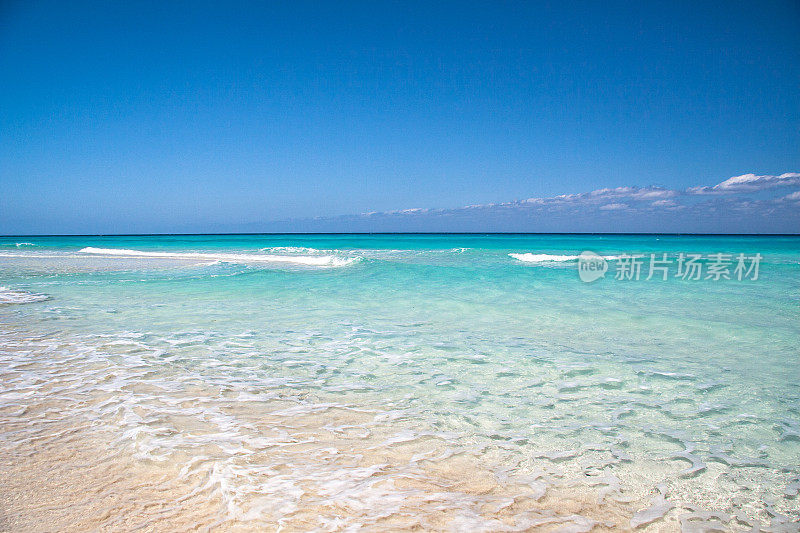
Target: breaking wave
<point x="542" y="258"/>
<point x="305" y="260"/>
<point x="14" y="296"/>
<point x="551" y="258"/>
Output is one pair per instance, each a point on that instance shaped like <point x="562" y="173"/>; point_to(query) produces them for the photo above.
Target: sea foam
<point x="542" y="258"/>
<point x="551" y="258"/>
<point x="13" y="296"/>
<point x="305" y="260"/>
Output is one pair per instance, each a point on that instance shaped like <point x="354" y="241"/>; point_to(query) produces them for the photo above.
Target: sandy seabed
<point x="68" y="463"/>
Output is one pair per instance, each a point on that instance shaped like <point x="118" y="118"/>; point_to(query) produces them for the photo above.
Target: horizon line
<point x="400" y="233"/>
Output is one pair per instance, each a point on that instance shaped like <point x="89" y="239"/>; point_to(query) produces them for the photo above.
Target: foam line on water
<point x="305" y="260"/>
<point x="541" y="258"/>
<point x="548" y="258"/>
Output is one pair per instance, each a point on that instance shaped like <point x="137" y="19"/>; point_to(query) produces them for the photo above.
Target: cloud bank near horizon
<point x="748" y="203"/>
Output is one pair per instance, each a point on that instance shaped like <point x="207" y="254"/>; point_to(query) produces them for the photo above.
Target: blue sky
<point x="200" y="116"/>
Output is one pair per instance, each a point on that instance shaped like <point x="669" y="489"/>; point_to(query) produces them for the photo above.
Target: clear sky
<point x="120" y="117"/>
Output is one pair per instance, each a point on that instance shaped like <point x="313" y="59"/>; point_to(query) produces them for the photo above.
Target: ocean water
<point x="381" y="382"/>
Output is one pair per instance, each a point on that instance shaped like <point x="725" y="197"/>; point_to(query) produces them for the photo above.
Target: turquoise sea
<point x="380" y="382"/>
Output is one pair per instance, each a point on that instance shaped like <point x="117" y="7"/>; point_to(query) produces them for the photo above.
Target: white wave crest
<point x="543" y="258"/>
<point x="14" y="296"/>
<point x="553" y="258"/>
<point x="306" y="260"/>
<point x="291" y="250"/>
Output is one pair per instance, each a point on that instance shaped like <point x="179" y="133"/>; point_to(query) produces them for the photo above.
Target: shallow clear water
<point x="362" y="362"/>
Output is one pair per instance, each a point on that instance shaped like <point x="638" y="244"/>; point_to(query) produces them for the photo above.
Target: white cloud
<point x="654" y="199"/>
<point x="601" y="196"/>
<point x="728" y="198"/>
<point x="613" y="207"/>
<point x="794" y="196"/>
<point x="749" y="183"/>
<point x="664" y="203"/>
<point x="725" y="207"/>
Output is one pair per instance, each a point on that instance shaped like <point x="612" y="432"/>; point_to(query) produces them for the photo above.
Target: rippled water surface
<point x="438" y="382"/>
